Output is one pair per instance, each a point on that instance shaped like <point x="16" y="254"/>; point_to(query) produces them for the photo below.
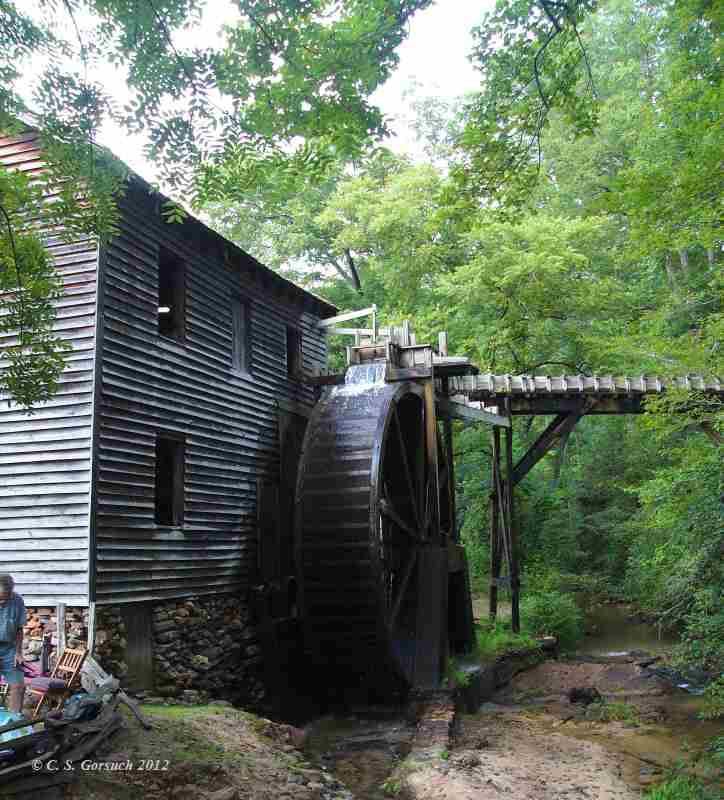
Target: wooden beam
<point x="60" y="628"/>
<point x="550" y="405"/>
<point x="450" y="458"/>
<point x="330" y="322"/>
<point x="323" y="380"/>
<point x="561" y="425"/>
<point x="449" y="408"/>
<point x="494" y="528"/>
<point x="408" y="373"/>
<point x="431" y="448"/>
<point x="512" y="538"/>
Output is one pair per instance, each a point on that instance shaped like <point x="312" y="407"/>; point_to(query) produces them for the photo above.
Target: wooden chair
<point x="62" y="681"/>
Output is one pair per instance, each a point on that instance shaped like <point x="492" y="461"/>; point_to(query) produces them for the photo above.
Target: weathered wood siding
<point x="45" y="458"/>
<point x="151" y="385"/>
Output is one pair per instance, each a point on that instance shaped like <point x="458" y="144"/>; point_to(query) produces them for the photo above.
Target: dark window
<point x="294" y="352"/>
<point x="171" y="294"/>
<point x="241" y="336"/>
<point x="169" y="479"/>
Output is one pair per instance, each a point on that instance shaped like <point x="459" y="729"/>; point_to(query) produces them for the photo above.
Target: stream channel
<point x="563" y="750"/>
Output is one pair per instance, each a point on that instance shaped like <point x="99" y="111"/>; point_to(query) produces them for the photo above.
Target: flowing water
<point x="614" y="629"/>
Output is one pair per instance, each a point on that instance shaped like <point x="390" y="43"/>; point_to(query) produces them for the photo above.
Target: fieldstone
<point x="34" y="647"/>
<point x="165" y="625"/>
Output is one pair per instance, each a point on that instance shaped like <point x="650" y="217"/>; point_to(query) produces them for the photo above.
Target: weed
<point x="497" y="638"/>
<point x="456" y="676"/>
<point x="612" y="712"/>
<point x="392" y="787"/>
<point x="445" y="755"/>
<point x="681" y="787"/>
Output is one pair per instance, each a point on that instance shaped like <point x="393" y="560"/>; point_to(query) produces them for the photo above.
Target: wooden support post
<point x="91" y="626"/>
<point x="60" y="629"/>
<point x="431" y="448"/>
<point x="494" y="527"/>
<point x="450" y="457"/>
<point x="512" y="543"/>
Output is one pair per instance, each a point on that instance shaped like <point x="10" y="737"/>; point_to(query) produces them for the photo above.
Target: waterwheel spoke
<point x="399" y="597"/>
<point x="421" y="463"/>
<point x="388" y="510"/>
<point x="428" y="506"/>
<point x="406" y="464"/>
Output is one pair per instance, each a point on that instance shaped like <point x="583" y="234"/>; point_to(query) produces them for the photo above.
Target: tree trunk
<point x="671" y="273"/>
<point x="684" y="260"/>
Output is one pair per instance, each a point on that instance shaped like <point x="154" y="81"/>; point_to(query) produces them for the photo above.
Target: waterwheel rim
<point x="368" y="448"/>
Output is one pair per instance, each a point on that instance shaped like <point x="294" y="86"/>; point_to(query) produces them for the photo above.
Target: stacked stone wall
<point x="43" y="619"/>
<point x="204" y="647"/>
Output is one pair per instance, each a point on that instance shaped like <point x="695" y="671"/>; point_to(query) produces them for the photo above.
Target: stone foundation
<point x="202" y="647"/>
<point x="42" y="619"/>
<point x="109" y="648"/>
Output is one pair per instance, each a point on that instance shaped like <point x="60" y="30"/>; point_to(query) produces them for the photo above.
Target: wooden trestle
<point x="460" y="392"/>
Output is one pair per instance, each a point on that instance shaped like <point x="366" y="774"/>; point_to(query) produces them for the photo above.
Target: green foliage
<point x="612" y="712"/>
<point x="714" y="702"/>
<point x="552" y="613"/>
<point x="392" y="787"/>
<point x="455" y="676"/>
<point x="32" y="357"/>
<point x="540" y="67"/>
<point x="492" y="640"/>
<point x="681" y="787"/>
<point x="280" y="102"/>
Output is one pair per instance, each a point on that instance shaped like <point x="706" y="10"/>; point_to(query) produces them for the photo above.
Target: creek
<point x="663" y="727"/>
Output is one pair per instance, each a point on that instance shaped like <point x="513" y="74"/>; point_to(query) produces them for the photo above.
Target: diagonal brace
<point x="561" y="426"/>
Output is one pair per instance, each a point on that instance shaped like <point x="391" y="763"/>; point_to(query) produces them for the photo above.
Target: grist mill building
<point x="152" y="496"/>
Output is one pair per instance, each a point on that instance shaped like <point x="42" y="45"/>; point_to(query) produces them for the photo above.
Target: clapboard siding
<point x="45" y="458"/>
<point x="150" y="384"/>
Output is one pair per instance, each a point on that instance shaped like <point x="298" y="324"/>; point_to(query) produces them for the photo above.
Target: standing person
<point x="12" y="619"/>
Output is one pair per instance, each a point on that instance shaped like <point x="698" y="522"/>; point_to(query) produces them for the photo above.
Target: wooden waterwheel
<point x="373" y="529"/>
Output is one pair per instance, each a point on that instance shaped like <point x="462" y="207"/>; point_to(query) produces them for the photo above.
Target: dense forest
<point x="602" y="253"/>
<point x="565" y="218"/>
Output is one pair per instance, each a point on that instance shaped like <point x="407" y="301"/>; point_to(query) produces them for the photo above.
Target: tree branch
<point x="353" y="270"/>
<point x="18" y="271"/>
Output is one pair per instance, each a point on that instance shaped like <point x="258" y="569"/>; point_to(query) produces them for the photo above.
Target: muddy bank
<point x="531" y="743"/>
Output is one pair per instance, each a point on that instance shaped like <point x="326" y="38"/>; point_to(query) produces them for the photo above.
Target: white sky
<point x="434" y="55"/>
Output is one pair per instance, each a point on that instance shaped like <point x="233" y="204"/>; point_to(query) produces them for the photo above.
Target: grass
<point x="186" y="744"/>
<point x="454" y="676"/>
<point x="612" y="712"/>
<point x="495" y="639"/>
<point x="392" y="787"/>
<point x="681" y="787"/>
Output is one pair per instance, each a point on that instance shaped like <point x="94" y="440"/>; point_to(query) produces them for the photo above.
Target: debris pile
<point x="39" y="756"/>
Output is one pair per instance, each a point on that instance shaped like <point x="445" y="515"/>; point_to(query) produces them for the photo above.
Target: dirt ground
<point x="205" y="753"/>
<point x="520" y="756"/>
<point x="533" y="744"/>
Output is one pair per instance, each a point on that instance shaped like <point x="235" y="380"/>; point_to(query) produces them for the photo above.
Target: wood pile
<point x="50" y="758"/>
